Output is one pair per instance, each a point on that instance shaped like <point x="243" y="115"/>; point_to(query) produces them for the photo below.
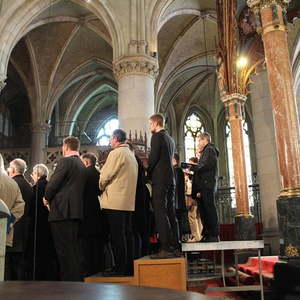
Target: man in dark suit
<point x="180" y="206"/>
<point x="161" y="174"/>
<point x="91" y="227"/>
<point x="22" y="228"/>
<point x="64" y="194"/>
<point x="204" y="186"/>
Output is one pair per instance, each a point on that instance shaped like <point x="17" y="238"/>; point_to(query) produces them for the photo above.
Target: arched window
<point x="192" y="127"/>
<point x="247" y="155"/>
<point x="106" y="131"/>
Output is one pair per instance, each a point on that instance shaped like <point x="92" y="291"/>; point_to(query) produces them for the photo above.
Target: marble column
<point x="271" y="23"/>
<point x="235" y="114"/>
<point x="38" y="142"/>
<point x="136" y="76"/>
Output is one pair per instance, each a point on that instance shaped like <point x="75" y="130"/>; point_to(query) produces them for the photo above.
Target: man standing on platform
<point x="206" y="175"/>
<point x="161" y="174"/>
<point x="22" y="228"/>
<point x="91" y="227"/>
<point x="64" y="194"/>
<point x="118" y="182"/>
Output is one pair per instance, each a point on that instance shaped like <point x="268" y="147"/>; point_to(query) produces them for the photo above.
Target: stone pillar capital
<point x="40" y="127"/>
<point x="234" y="106"/>
<point x="2" y="82"/>
<point x="261" y="4"/>
<point x="136" y="65"/>
<point x="234" y="98"/>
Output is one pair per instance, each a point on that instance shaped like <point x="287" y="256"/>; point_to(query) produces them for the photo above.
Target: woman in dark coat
<point x="42" y="251"/>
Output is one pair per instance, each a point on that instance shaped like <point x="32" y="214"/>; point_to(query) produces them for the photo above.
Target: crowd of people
<point x="84" y="220"/>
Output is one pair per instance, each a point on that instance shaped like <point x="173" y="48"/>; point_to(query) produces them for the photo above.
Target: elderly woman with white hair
<point x="41" y="247"/>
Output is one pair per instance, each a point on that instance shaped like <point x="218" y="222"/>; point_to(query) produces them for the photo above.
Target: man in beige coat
<point x="11" y="195"/>
<point x="118" y="181"/>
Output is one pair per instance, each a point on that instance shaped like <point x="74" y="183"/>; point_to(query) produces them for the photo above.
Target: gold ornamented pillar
<point x="136" y="75"/>
<point x="235" y="114"/>
<point x="271" y="23"/>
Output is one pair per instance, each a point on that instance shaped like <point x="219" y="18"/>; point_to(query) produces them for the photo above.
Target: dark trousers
<point x="208" y="213"/>
<point x="66" y="242"/>
<point x="14" y="265"/>
<point x="92" y="249"/>
<point x="122" y="239"/>
<point x="165" y="215"/>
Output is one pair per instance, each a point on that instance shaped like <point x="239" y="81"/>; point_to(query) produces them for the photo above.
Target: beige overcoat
<point x="118" y="179"/>
<point x="11" y="195"/>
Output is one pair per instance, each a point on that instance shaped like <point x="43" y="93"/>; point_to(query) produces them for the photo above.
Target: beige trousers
<point x="195" y="222"/>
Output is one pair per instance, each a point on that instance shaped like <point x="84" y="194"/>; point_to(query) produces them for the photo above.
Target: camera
<point x="185" y="165"/>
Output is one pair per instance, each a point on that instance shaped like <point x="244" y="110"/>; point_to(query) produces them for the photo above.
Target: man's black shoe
<point x="162" y="254"/>
<point x="177" y="253"/>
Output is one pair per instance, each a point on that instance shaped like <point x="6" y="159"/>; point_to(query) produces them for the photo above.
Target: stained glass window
<point x="106" y="131"/>
<point x="192" y="127"/>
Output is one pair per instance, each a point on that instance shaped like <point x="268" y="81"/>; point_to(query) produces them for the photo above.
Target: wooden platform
<point x="162" y="273"/>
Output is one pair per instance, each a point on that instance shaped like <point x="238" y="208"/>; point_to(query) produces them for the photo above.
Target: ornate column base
<point x="288" y="209"/>
<point x="244" y="228"/>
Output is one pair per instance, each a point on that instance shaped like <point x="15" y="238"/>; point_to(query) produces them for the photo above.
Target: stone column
<point x="235" y="114"/>
<point x="136" y="76"/>
<point x="271" y="23"/>
<point x="38" y="142"/>
<point x="2" y="82"/>
<point x="266" y="157"/>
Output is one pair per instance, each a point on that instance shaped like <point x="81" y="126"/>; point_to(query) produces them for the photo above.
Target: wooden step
<point x="164" y="273"/>
<point x="104" y="279"/>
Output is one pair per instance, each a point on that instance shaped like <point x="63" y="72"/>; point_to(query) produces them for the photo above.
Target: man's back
<point x="65" y="190"/>
<point x="11" y="195"/>
<point x="118" y="180"/>
<point x="26" y="191"/>
<point x="160" y="168"/>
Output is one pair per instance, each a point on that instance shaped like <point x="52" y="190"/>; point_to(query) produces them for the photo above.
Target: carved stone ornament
<point x="136" y="65"/>
<point x="267" y="3"/>
<point x="234" y="98"/>
<point x="40" y="128"/>
<point x="2" y="82"/>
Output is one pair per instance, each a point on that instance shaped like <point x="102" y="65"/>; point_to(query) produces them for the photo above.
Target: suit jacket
<point x="91" y="223"/>
<point x="118" y="180"/>
<point x="206" y="171"/>
<point x="64" y="191"/>
<point x="160" y="170"/>
<point x="22" y="227"/>
<point x="39" y="214"/>
<point x="11" y="195"/>
<point x="180" y="189"/>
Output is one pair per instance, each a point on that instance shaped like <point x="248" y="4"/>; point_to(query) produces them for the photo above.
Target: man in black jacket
<point x="22" y="228"/>
<point x="91" y="227"/>
<point x="161" y="173"/>
<point x="180" y="205"/>
<point x="204" y="186"/>
<point x="64" y="194"/>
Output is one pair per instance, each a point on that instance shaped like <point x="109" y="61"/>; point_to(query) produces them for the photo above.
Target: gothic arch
<point x="19" y="16"/>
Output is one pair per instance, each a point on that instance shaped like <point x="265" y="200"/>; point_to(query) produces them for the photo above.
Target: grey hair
<point x="41" y="170"/>
<point x="19" y="165"/>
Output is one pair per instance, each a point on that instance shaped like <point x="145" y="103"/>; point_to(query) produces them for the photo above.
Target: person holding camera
<point x="204" y="186"/>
